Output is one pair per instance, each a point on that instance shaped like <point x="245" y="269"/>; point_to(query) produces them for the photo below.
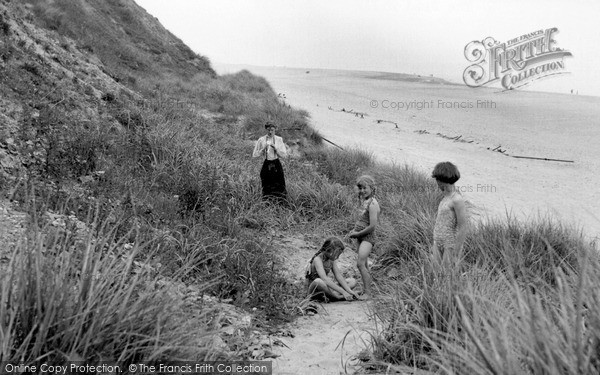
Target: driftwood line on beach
<point x="457" y="138"/>
<point x="498" y="148"/>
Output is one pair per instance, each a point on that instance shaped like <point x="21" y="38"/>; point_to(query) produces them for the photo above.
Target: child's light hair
<point x="368" y="180"/>
<point x="446" y="172"/>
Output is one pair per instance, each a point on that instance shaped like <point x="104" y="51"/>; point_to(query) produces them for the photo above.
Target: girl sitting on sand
<point x="319" y="285"/>
<point x="450" y="228"/>
<point x="364" y="229"/>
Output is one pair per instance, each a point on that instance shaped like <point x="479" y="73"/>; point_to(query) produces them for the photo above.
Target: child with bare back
<point x="319" y="285"/>
<point x="450" y="228"/>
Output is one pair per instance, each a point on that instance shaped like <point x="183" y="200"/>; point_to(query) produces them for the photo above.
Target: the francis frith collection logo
<point x="516" y="62"/>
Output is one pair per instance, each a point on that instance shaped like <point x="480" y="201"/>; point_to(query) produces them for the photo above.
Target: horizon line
<point x="449" y="81"/>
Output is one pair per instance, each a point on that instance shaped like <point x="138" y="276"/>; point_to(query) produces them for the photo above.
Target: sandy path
<point x="327" y="342"/>
<point x="524" y="123"/>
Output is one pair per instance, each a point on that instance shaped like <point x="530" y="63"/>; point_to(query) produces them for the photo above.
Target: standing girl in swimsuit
<point x="364" y="229"/>
<point x="319" y="284"/>
<point x="450" y="228"/>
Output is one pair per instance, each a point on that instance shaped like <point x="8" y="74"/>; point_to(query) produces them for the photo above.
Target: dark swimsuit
<point x="363" y="222"/>
<point x="313" y="275"/>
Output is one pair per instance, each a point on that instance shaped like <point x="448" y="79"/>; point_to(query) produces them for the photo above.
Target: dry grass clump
<point x="67" y="297"/>
<point x="527" y="309"/>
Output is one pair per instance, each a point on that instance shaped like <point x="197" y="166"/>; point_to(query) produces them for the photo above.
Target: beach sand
<point x="522" y="123"/>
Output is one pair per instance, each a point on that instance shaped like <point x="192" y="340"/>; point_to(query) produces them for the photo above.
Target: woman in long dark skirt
<point x="271" y="148"/>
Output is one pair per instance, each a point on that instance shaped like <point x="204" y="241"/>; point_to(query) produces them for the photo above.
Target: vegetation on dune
<point x="74" y="298"/>
<point x="157" y="170"/>
<point x="130" y="43"/>
<point x="133" y="160"/>
<point x="484" y="319"/>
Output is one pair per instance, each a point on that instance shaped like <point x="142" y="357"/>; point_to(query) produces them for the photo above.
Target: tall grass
<point x="529" y="250"/>
<point x="68" y="299"/>
<point x="341" y="166"/>
<point x="554" y="332"/>
<point x="243" y="270"/>
<point x="517" y="311"/>
<point x="409" y="202"/>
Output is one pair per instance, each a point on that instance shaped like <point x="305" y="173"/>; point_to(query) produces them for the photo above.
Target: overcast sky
<point x="404" y="36"/>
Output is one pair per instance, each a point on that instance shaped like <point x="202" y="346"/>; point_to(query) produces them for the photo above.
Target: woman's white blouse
<point x="260" y="148"/>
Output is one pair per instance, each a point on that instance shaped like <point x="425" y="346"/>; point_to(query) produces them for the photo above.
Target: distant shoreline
<point x="223" y="68"/>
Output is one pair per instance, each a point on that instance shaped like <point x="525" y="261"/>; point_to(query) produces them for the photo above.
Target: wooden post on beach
<point x="545" y="159"/>
<point x="327" y="140"/>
